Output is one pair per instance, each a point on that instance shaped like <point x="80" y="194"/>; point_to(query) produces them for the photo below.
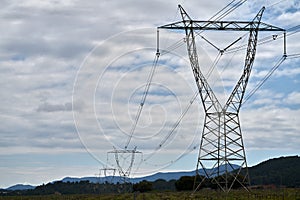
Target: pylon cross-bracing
<point x="222" y="153"/>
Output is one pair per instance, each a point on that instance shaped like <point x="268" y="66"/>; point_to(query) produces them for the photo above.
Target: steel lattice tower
<point x="222" y="153"/>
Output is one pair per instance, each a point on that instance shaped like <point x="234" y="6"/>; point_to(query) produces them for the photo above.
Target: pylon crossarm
<point x="221" y="26"/>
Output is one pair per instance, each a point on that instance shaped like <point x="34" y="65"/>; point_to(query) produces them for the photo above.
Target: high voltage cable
<point x="221" y="10"/>
<point x="267" y="39"/>
<point x="187" y="151"/>
<point x="172" y="47"/>
<point x="147" y="87"/>
<point x="277" y="65"/>
<point x="269" y="6"/>
<point x="293" y="28"/>
<point x="273" y="69"/>
<point x="291" y="56"/>
<point x="235" y="6"/>
<point x="176" y="124"/>
<point x="216" y="61"/>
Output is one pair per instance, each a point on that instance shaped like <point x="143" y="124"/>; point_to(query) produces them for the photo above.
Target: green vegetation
<point x="280" y="194"/>
<point x="282" y="173"/>
<point x="163" y="185"/>
<point x="278" y="171"/>
<point x="186" y="183"/>
<point x="143" y="186"/>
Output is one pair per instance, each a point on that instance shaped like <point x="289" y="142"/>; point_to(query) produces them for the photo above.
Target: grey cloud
<point x="42" y="46"/>
<point x="47" y="107"/>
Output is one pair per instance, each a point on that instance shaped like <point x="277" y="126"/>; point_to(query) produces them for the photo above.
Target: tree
<point x="185" y="183"/>
<point x="143" y="186"/>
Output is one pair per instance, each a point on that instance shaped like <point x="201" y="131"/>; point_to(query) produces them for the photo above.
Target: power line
<point x="290" y="31"/>
<point x="174" y="127"/>
<point x="273" y="69"/>
<point x="292" y="56"/>
<point x="146" y="90"/>
<point x="215" y="15"/>
<point x="234" y="7"/>
<point x="295" y="29"/>
<point x="278" y="2"/>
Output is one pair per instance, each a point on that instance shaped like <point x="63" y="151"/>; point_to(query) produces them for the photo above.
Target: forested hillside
<point x="278" y="171"/>
<point x="283" y="171"/>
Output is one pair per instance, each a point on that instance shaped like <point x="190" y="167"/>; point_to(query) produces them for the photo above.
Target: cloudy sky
<point x="73" y="74"/>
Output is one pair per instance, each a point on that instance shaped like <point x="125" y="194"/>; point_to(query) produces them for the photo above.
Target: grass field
<point x="283" y="194"/>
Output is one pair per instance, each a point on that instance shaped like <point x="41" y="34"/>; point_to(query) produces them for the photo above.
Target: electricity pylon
<point x="124" y="172"/>
<point x="222" y="153"/>
<point x="109" y="174"/>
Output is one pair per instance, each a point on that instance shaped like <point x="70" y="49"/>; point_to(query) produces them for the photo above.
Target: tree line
<point x="282" y="171"/>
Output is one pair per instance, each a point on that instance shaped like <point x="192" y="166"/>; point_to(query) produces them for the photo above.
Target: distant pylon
<point x="222" y="153"/>
<point x="109" y="174"/>
<point x="124" y="171"/>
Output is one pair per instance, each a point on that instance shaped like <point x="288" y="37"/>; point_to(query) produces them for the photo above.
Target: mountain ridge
<point x="20" y="187"/>
<point x="281" y="170"/>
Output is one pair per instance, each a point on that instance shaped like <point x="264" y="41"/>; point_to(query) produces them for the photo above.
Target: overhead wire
<point x="143" y="99"/>
<point x="234" y="7"/>
<point x="291" y="31"/>
<point x="276" y="3"/>
<point x="172" y="47"/>
<point x="267" y="76"/>
<point x="292" y="56"/>
<point x="214" y="64"/>
<point x="215" y="15"/>
<point x="255" y="89"/>
<point x="174" y="127"/>
<point x="187" y="151"/>
<point x="276" y="66"/>
<point x="146" y="90"/>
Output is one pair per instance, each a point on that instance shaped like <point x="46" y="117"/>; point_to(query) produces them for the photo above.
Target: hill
<point x="21" y="187"/>
<point x="167" y="176"/>
<point x="278" y="171"/>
